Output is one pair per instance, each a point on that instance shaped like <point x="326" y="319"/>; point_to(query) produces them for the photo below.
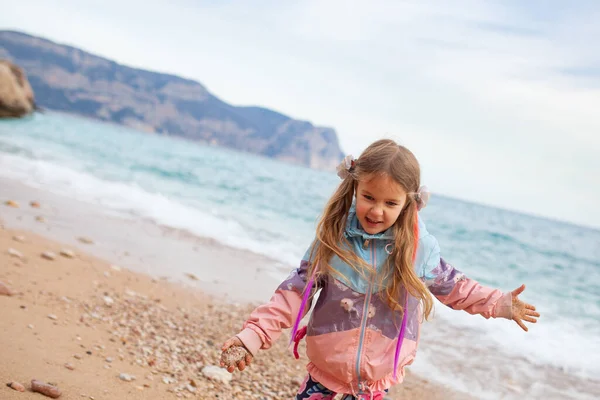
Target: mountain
<point x="68" y="79"/>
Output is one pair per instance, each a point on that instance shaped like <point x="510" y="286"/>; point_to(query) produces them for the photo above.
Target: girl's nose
<point x="377" y="210"/>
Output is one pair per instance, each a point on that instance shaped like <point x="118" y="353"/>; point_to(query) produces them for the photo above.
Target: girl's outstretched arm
<point x="266" y="322"/>
<point x="459" y="292"/>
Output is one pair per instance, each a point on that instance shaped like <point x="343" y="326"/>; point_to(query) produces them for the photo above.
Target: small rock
<point x="67" y="253"/>
<point x="215" y="373"/>
<point x="16" y="386"/>
<point x="107" y="274"/>
<point x="108" y="301"/>
<point x="19" y="238"/>
<point x="5" y="290"/>
<point x="77" y="356"/>
<point x="115" y="268"/>
<point x="45" y="388"/>
<point x="109" y="359"/>
<point x="30" y="326"/>
<point x="126" y="377"/>
<point x="85" y="240"/>
<point x="69" y="366"/>
<point x="39" y="218"/>
<point x="15" y="253"/>
<point x="12" y="203"/>
<point x="48" y="255"/>
<point x="192" y="276"/>
<point x="52" y="317"/>
<point x="168" y="380"/>
<point x="35" y="204"/>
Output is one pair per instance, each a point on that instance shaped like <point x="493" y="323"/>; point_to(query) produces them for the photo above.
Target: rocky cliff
<point x="68" y="79"/>
<point x="16" y="95"/>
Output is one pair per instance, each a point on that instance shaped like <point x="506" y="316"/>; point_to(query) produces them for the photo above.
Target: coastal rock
<point x="5" y="290"/>
<point x="16" y="386"/>
<point x="35" y="204"/>
<point x="45" y="388"/>
<point x="16" y="95"/>
<point x="215" y="373"/>
<point x="85" y="240"/>
<point x="19" y="238"/>
<point x="39" y="218"/>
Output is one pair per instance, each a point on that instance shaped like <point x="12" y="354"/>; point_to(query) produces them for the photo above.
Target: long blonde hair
<point x="383" y="157"/>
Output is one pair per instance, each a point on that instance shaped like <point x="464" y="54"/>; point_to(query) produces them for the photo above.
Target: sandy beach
<point x="98" y="330"/>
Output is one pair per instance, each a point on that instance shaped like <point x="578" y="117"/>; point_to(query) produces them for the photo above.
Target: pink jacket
<point x="352" y="333"/>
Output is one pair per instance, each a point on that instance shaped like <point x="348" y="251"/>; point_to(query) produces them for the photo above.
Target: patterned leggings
<point x="313" y="390"/>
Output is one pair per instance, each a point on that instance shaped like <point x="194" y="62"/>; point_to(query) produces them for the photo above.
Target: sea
<point x="267" y="207"/>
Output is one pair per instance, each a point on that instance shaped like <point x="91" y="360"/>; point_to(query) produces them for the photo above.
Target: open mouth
<point x="372" y="222"/>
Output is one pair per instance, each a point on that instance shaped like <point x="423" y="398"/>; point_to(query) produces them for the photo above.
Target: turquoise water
<point x="271" y="208"/>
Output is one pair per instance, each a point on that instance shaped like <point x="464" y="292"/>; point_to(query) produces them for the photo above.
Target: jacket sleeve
<point x="454" y="289"/>
<point x="266" y="322"/>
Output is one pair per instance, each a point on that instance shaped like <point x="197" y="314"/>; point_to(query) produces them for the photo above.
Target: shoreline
<point x="104" y="322"/>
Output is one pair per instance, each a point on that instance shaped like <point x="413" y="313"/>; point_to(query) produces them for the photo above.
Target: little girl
<point x="377" y="268"/>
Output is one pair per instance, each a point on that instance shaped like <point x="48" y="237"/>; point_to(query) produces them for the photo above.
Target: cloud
<point x="497" y="99"/>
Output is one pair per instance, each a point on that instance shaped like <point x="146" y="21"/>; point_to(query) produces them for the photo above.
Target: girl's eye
<point x="391" y="204"/>
<point x="368" y="197"/>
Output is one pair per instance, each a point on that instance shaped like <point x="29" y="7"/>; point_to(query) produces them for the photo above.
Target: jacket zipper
<point x="364" y="321"/>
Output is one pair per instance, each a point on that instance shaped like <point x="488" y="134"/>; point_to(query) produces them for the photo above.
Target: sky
<point x="499" y="100"/>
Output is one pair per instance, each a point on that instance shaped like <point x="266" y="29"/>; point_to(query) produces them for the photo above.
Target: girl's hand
<point x="241" y="364"/>
<point x="522" y="311"/>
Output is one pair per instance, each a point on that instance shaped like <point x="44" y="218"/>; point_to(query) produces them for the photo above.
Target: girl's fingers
<point x="521" y="324"/>
<point x="529" y="307"/>
<point x="529" y="319"/>
<point x="518" y="291"/>
<point x="248" y="358"/>
<point x="241" y="365"/>
<point x="230" y="369"/>
<point x="227" y="344"/>
<point x="532" y="313"/>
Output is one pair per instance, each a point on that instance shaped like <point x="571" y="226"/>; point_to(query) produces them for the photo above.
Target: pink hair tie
<point x="422" y="197"/>
<point x="345" y="168"/>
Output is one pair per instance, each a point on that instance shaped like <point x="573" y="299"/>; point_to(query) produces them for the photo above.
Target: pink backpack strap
<point x="400" y="337"/>
<point x="307" y="291"/>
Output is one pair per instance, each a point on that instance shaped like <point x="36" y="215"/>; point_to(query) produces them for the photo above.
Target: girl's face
<point x="379" y="201"/>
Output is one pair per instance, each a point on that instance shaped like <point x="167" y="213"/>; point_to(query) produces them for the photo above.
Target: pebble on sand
<point x="12" y="203"/>
<point x="85" y="240"/>
<point x="48" y="255"/>
<point x="39" y="218"/>
<point x="16" y="386"/>
<point x="35" y="204"/>
<point x="19" y="238"/>
<point x="67" y="253"/>
<point x="69" y="366"/>
<point x="5" y="290"/>
<point x="52" y="317"/>
<point x="215" y="373"/>
<point x="15" y="253"/>
<point x="126" y="377"/>
<point x="45" y="389"/>
<point x="192" y="276"/>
